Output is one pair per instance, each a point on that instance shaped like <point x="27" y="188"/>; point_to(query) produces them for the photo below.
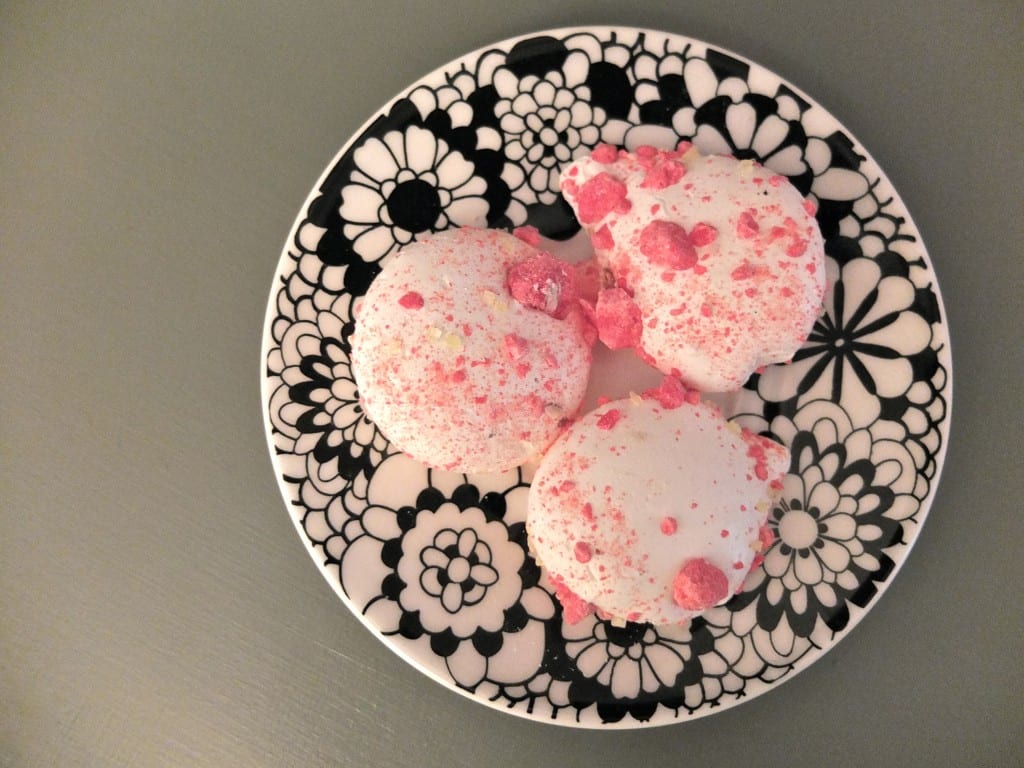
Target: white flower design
<point x="458" y="569"/>
<point x="547" y="122"/>
<point x="452" y="563"/>
<point x="318" y="418"/>
<point x="858" y="350"/>
<point x="745" y="133"/>
<point x="407" y="183"/>
<point x="447" y="573"/>
<point x="693" y="80"/>
<point x="841" y="506"/>
<point x="629" y="660"/>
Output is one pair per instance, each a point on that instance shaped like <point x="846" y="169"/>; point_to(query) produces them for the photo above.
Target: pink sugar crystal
<point x="545" y="283"/>
<point x="699" y="585"/>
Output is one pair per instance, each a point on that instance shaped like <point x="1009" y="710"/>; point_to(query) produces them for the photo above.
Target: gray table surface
<point x="156" y="606"/>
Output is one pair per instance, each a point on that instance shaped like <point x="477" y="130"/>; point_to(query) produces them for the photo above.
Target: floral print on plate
<point x="436" y="564"/>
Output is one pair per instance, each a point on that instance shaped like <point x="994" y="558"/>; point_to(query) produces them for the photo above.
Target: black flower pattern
<point x="437" y="563"/>
<point x="842" y="505"/>
<point x="627" y="660"/>
<point x="747" y="131"/>
<point x="406" y="183"/>
<point x="457" y="568"/>
<point x="316" y="403"/>
<point x="862" y="348"/>
<point x="547" y="122"/>
<point x="450" y="568"/>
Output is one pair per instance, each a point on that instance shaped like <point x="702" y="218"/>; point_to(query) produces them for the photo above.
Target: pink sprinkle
<point x="588" y="512"/>
<point x="535" y="403"/>
<point x="459" y="376"/>
<point x="724" y="534"/>
<point x="582" y="552"/>
<point x="411" y="300"/>
<point x="671" y="393"/>
<point x="545" y="283"/>
<point x="757" y="449"/>
<point x="776" y="180"/>
<point x="600" y="196"/>
<point x="810" y="207"/>
<point x="604" y="154"/>
<point x="574" y="607"/>
<point x="796" y="247"/>
<point x="703" y="234"/>
<point x="617" y="319"/>
<point x="738" y="565"/>
<point x="699" y="585"/>
<point x="664" y="173"/>
<point x="609" y="419"/>
<point x="668" y="525"/>
<point x="602" y="239"/>
<point x="666" y="243"/>
<point x="528" y="234"/>
<point x="744" y="271"/>
<point x="588" y="279"/>
<point x="515" y="346"/>
<point x="746" y="226"/>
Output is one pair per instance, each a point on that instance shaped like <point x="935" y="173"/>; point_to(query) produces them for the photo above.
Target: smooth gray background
<point x="156" y="606"/>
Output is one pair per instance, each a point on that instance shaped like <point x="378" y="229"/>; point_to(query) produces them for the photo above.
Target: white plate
<point x="864" y="408"/>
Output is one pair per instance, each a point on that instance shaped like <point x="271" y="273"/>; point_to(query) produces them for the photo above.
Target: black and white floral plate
<point x="436" y="564"/>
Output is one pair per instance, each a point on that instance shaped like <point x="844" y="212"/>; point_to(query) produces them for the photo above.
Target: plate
<point x="864" y="407"/>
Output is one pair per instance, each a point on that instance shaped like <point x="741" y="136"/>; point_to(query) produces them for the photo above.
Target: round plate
<point x="864" y="407"/>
